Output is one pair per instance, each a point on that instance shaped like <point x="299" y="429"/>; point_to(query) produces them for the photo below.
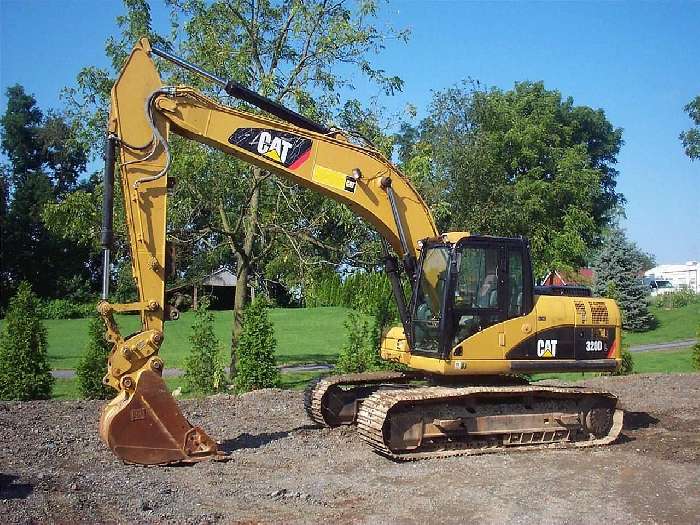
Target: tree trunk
<point x="243" y="266"/>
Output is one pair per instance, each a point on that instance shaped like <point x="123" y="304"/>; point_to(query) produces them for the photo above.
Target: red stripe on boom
<point x="297" y="163"/>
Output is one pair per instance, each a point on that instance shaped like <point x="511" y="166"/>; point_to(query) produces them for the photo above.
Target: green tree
<point x="93" y="363"/>
<point x="691" y="137"/>
<point x="257" y="366"/>
<point x="617" y="266"/>
<point x="204" y="371"/>
<point x="44" y="164"/>
<point x="526" y="161"/>
<point x="24" y="367"/>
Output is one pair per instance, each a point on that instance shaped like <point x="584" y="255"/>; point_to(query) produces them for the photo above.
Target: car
<point x="659" y="286"/>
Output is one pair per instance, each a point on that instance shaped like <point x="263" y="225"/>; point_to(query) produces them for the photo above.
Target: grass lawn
<point x="679" y="323"/>
<point x="659" y="361"/>
<point x="68" y="388"/>
<point x="303" y="335"/>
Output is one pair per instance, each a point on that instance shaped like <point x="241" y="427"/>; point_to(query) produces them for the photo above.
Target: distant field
<point x="679" y="323"/>
<point x="659" y="361"/>
<point x="306" y="335"/>
<point x="303" y="335"/>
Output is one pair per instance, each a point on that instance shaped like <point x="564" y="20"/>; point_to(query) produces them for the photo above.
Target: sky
<point x="639" y="62"/>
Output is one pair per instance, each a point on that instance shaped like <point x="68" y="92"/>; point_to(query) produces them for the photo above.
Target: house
<point x="682" y="276"/>
<point x="584" y="277"/>
<point x="219" y="286"/>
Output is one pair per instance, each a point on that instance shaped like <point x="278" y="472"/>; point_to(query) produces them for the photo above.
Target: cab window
<point x="477" y="281"/>
<point x="515" y="283"/>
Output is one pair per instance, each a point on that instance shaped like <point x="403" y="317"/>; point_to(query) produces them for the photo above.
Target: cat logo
<point x="547" y="347"/>
<point x="288" y="149"/>
<point x="276" y="148"/>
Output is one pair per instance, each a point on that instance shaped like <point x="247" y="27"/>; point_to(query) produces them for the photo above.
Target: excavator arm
<point x="143" y="424"/>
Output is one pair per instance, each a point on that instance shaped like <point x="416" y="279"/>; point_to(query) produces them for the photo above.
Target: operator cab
<point x="466" y="286"/>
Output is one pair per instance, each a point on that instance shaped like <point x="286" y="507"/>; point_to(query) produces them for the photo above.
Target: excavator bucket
<point x="147" y="427"/>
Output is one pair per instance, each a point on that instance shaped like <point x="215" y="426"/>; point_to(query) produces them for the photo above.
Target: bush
<point x="361" y="291"/>
<point x="677" y="299"/>
<point x="93" y="363"/>
<point x="204" y="370"/>
<point x="696" y="352"/>
<point x="24" y="368"/>
<point x="627" y="367"/>
<point x="257" y="366"/>
<point x="356" y="355"/>
<point x="65" y="309"/>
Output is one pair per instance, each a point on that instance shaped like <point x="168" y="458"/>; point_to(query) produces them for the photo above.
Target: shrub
<point x="696" y="352"/>
<point x="204" y="370"/>
<point x="65" y="309"/>
<point x="257" y="367"/>
<point x="93" y="363"/>
<point x="360" y="290"/>
<point x="677" y="299"/>
<point x="627" y="367"/>
<point x="354" y="356"/>
<point x="24" y="368"/>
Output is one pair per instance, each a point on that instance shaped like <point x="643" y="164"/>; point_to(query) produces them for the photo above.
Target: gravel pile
<point x="54" y="468"/>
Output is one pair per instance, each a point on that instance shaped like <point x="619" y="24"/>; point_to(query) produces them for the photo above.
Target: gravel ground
<point x="53" y="468"/>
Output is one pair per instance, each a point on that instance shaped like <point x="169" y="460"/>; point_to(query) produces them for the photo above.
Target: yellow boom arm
<point x="143" y="423"/>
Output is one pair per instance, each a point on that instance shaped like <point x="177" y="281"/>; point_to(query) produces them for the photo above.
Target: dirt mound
<point x="53" y="468"/>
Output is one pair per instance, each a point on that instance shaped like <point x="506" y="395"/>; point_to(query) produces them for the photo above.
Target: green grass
<point x="659" y="361"/>
<point x="68" y="388"/>
<point x="304" y="335"/>
<point x="673" y="325"/>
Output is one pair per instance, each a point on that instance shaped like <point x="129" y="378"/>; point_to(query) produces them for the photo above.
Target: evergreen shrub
<point x="93" y="363"/>
<point x="24" y="366"/>
<point x="204" y="369"/>
<point x="256" y="363"/>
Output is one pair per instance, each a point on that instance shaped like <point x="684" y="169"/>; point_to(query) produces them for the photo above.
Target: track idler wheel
<point x="146" y="427"/>
<point x="598" y="421"/>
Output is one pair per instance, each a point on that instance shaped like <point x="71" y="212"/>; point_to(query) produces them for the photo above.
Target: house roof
<point x="221" y="277"/>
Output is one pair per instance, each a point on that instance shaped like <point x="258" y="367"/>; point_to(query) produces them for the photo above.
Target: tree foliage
<point x="617" y="266"/>
<point x="691" y="137"/>
<point x="24" y="367"/>
<point x="525" y="161"/>
<point x="44" y="162"/>
<point x="92" y="367"/>
<point x="204" y="370"/>
<point x="257" y="366"/>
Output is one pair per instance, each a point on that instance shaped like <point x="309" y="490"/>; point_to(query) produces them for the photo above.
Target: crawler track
<point x="316" y="396"/>
<point x="381" y="410"/>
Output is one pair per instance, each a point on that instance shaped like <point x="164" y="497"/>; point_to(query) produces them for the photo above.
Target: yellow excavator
<point x="473" y="327"/>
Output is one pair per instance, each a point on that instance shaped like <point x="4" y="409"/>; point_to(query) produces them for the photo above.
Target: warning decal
<point x="334" y="179"/>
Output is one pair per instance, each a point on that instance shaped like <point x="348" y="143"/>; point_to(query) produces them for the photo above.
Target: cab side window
<point x="515" y="283"/>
